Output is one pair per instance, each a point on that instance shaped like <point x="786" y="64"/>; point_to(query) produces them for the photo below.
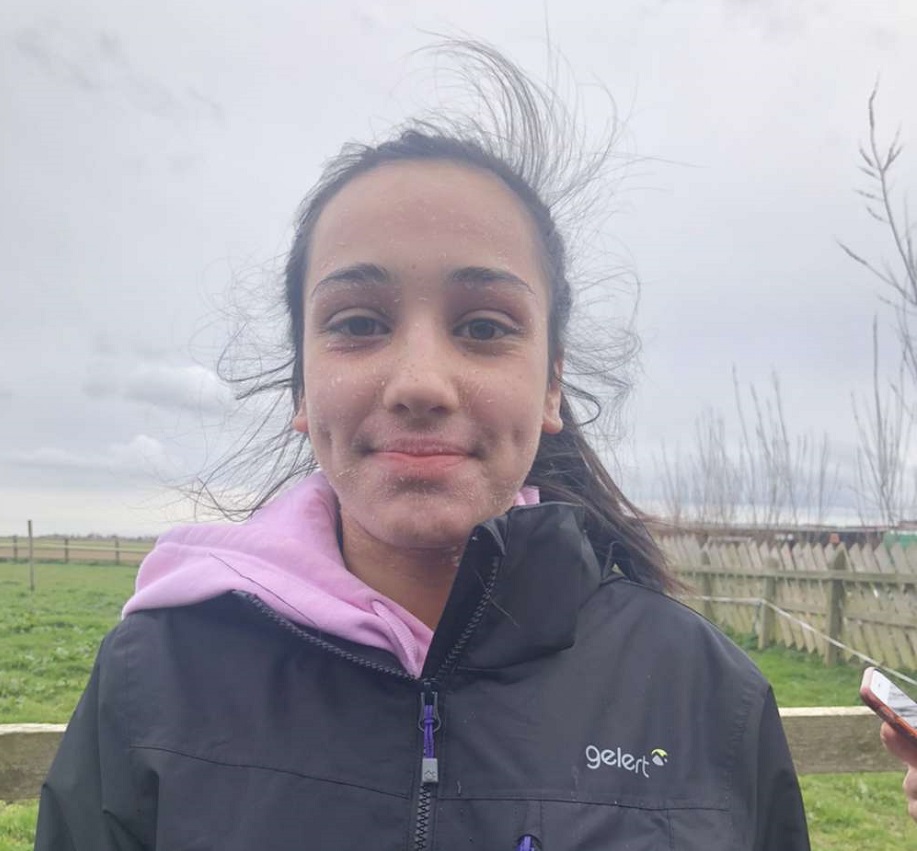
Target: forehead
<point x="431" y="211"/>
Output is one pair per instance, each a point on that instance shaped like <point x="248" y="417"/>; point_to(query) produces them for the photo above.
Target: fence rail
<point x="856" y="602"/>
<point x="114" y="550"/>
<point x="823" y="740"/>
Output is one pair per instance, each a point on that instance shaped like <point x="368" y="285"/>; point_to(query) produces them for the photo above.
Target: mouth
<point x="422" y="448"/>
<point x="420" y="456"/>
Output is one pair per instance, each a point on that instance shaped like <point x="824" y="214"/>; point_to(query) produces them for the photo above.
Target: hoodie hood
<point x="286" y="555"/>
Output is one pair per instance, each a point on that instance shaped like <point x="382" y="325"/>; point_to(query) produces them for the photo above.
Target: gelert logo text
<point x="617" y="758"/>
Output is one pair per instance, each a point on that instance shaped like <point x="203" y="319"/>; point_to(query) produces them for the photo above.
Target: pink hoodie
<point x="287" y="555"/>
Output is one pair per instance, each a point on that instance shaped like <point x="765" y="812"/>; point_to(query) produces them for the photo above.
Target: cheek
<point x="519" y="410"/>
<point x="526" y="440"/>
<point x="332" y="390"/>
<point x="325" y="409"/>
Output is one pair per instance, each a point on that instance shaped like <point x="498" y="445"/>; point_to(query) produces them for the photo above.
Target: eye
<point x="358" y="325"/>
<point x="483" y="330"/>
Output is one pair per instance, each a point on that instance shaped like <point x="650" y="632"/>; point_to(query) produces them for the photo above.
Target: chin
<point x="429" y="526"/>
<point x="429" y="518"/>
<point x="429" y="532"/>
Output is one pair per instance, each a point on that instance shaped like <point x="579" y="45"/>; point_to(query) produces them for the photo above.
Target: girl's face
<point x="427" y="382"/>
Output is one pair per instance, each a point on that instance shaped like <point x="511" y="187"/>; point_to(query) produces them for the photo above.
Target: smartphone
<point x="891" y="704"/>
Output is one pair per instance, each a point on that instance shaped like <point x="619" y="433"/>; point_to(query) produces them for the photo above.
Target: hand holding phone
<point x="899" y="733"/>
<point x="906" y="750"/>
<point x="891" y="704"/>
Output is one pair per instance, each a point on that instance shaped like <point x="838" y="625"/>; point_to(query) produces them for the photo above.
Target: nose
<point x="422" y="379"/>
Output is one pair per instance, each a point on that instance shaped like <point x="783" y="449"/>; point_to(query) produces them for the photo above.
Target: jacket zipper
<point x="430" y="720"/>
<point x="429" y="723"/>
<point x="289" y="626"/>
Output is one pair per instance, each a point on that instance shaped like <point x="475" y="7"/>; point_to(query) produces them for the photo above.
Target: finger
<point x="899" y="746"/>
<point x="910" y="789"/>
<point x="910" y="783"/>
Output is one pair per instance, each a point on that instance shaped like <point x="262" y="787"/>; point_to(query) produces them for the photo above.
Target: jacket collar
<point x="519" y="588"/>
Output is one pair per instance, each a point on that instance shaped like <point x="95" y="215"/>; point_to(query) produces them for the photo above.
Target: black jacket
<point x="561" y="704"/>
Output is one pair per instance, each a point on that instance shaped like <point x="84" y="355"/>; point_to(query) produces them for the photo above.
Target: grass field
<point x="846" y="812"/>
<point x="48" y="641"/>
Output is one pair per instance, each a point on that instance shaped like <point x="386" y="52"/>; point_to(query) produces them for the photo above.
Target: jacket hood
<point x="286" y="555"/>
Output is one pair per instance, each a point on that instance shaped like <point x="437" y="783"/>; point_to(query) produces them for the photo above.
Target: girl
<point x="453" y="632"/>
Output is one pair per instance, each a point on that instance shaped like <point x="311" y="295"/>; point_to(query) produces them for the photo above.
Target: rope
<point x="759" y="601"/>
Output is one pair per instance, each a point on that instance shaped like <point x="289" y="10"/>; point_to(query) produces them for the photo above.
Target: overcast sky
<point x="154" y="154"/>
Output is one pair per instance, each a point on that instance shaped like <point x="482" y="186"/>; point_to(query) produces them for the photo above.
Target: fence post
<point x="15" y="548"/>
<point x="834" y="616"/>
<point x="66" y="550"/>
<point x="31" y="561"/>
<point x="117" y="550"/>
<point x="706" y="586"/>
<point x="766" y="623"/>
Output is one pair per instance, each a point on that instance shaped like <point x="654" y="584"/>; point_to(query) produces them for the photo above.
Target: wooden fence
<point x="864" y="597"/>
<point x="114" y="550"/>
<point x="823" y="740"/>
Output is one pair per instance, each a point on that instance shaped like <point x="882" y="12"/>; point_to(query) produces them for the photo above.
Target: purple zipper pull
<point x="429" y="722"/>
<point x="528" y="843"/>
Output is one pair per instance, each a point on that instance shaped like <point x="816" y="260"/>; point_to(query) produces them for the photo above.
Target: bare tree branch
<point x="884" y="429"/>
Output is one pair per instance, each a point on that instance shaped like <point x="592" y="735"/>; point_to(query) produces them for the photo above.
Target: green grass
<point x="857" y="812"/>
<point x="17" y="826"/>
<point x="49" y="638"/>
<point x="801" y="679"/>
<point x="48" y="641"/>
<point x="846" y="812"/>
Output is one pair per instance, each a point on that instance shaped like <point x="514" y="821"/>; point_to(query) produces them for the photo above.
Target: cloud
<point x="371" y="18"/>
<point x="376" y="17"/>
<point x="36" y="45"/>
<point x="192" y="388"/>
<point x="207" y="105"/>
<point x="141" y="456"/>
<point x="776" y="17"/>
<point x="98" y="64"/>
<point x="185" y="388"/>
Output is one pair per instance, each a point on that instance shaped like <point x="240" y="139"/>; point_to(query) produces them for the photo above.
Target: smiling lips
<point x="421" y="454"/>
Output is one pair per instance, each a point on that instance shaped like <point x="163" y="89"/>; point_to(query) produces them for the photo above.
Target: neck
<point x="419" y="580"/>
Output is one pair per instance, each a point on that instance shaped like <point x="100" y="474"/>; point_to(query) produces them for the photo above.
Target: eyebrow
<point x="483" y="275"/>
<point x="362" y="274"/>
<point x="358" y="273"/>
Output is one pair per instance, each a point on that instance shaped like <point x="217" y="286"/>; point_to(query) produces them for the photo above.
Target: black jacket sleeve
<point x="89" y="780"/>
<point x="779" y="821"/>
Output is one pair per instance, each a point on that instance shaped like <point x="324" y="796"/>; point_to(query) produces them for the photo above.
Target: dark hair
<point x="523" y="142"/>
